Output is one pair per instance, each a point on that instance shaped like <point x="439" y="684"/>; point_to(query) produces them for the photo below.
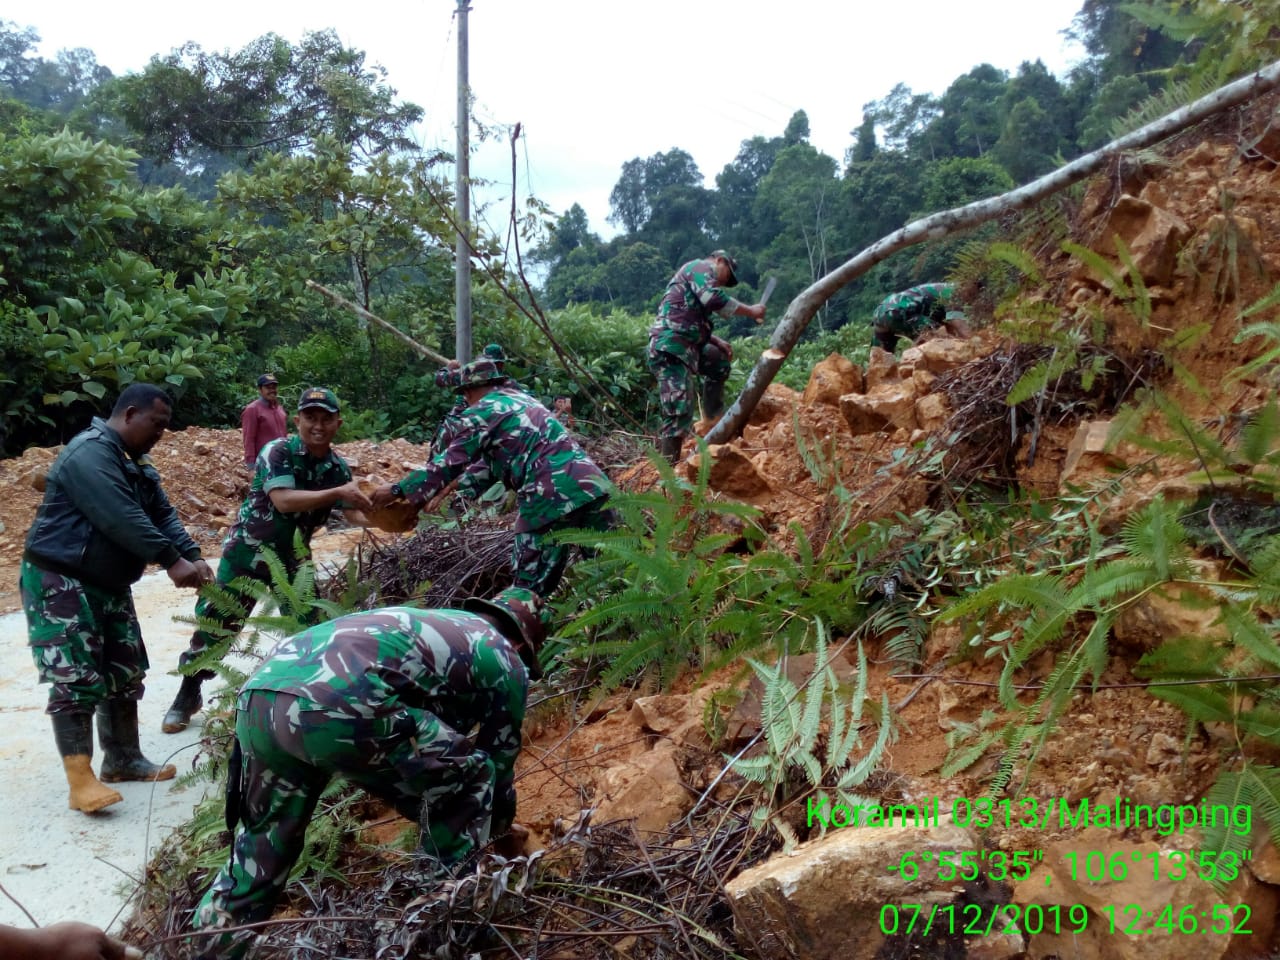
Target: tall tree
<point x="269" y="97"/>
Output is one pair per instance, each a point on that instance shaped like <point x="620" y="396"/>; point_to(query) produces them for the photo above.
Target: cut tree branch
<point x="936" y="226"/>
<point x="360" y="311"/>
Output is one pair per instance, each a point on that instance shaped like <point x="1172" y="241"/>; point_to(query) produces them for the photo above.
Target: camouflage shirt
<point x="285" y="464"/>
<point x="522" y="445"/>
<point x="684" y="316"/>
<point x="912" y="309"/>
<point x="372" y="665"/>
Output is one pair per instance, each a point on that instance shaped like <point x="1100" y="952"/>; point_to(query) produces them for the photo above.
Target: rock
<point x="195" y="501"/>
<point x="356" y="465"/>
<point x="1170" y="611"/>
<point x="646" y="790"/>
<point x="1152" y="234"/>
<point x="889" y="407"/>
<point x="831" y="378"/>
<point x="941" y="354"/>
<point x="221" y="488"/>
<point x="1087" y="452"/>
<point x="932" y="412"/>
<point x="994" y="946"/>
<point x="201" y="449"/>
<point x="1052" y="884"/>
<point x="36" y="478"/>
<point x="1161" y="749"/>
<point x="881" y="368"/>
<point x="665" y="713"/>
<point x="778" y="400"/>
<point x="1266" y="146"/>
<point x="1265" y="864"/>
<point x="923" y="381"/>
<point x="732" y="471"/>
<point x="822" y="901"/>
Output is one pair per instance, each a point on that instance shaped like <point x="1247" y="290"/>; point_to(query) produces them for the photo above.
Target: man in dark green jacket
<point x="103" y="519"/>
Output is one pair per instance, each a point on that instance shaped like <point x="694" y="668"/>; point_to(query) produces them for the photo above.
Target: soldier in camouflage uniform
<point x="104" y="517"/>
<point x="681" y="344"/>
<point x="297" y="482"/>
<point x="519" y="442"/>
<point x="388" y="699"/>
<point x="911" y="312"/>
<point x="447" y="379"/>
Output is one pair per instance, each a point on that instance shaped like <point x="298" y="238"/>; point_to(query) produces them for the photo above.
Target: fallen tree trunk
<point x="936" y="226"/>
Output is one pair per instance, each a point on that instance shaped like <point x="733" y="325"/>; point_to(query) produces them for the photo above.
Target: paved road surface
<point x="62" y="864"/>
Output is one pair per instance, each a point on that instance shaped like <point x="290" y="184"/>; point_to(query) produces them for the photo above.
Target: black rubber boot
<point x="185" y="705"/>
<point x="670" y="448"/>
<point x="73" y="732"/>
<point x="712" y="398"/>
<point x="122" y="758"/>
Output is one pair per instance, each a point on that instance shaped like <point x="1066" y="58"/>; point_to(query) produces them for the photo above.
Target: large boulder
<point x="647" y="790"/>
<point x="1130" y="896"/>
<point x="940" y="354"/>
<point x="732" y="471"/>
<point x="891" y="406"/>
<point x="823" y="900"/>
<point x="778" y="400"/>
<point x="882" y="367"/>
<point x="1152" y="235"/>
<point x="831" y="378"/>
<point x="932" y="412"/>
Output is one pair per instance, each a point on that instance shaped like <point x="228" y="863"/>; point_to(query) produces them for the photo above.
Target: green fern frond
<point x="1254" y="788"/>
<point x="1100" y="267"/>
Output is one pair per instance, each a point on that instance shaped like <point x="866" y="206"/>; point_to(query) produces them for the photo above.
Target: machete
<point x="768" y="289"/>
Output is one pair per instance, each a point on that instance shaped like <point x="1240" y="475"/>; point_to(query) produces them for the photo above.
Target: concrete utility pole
<point x="462" y="201"/>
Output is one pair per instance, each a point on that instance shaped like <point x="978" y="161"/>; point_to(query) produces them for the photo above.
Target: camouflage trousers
<point x="85" y="640"/>
<point x="238" y="560"/>
<point x="675" y="385"/>
<point x="291" y="749"/>
<point x="538" y="562"/>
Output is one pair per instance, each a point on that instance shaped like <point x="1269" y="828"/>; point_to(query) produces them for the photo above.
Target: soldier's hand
<point x="353" y="496"/>
<point x="77" y="941"/>
<point x="184" y="574"/>
<point x="757" y="312"/>
<point x="205" y="571"/>
<point x="381" y="496"/>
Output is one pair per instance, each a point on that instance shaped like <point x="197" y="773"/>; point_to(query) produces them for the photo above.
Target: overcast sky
<point x="594" y="83"/>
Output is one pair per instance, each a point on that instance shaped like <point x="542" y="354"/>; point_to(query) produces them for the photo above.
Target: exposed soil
<point x="203" y="479"/>
<point x="1201" y="266"/>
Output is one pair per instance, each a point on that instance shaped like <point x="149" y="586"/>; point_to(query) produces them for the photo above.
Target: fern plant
<point x="798" y="761"/>
<point x="1079" y="609"/>
<point x="642" y="604"/>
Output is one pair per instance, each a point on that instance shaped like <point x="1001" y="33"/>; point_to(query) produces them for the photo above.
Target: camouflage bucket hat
<point x="733" y="265"/>
<point x="479" y="372"/>
<point x="524" y="621"/>
<point x="494" y="352"/>
<point x="321" y="397"/>
<point x="447" y="377"/>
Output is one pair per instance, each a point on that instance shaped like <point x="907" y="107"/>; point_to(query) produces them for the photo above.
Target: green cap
<point x="321" y="397"/>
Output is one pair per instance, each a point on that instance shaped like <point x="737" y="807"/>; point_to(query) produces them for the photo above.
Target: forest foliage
<point x="160" y="225"/>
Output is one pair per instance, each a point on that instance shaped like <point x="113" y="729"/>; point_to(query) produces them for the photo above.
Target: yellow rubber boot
<point x="87" y="792"/>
